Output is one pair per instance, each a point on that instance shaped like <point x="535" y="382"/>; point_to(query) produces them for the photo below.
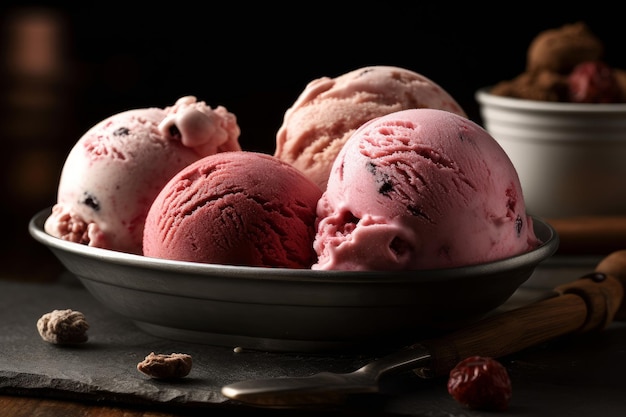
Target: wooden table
<point x="14" y="406"/>
<point x="17" y="406"/>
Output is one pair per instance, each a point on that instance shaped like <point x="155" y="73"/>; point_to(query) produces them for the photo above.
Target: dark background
<point x="64" y="69"/>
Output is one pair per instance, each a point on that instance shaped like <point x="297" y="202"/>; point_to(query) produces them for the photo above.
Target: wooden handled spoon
<point x="586" y="304"/>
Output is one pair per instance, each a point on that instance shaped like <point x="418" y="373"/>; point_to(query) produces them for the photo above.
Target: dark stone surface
<point x="575" y="375"/>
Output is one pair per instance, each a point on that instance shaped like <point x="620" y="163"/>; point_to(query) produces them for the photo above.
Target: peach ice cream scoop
<point x="329" y="110"/>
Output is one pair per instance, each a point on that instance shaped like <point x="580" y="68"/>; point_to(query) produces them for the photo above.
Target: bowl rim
<point x="484" y="97"/>
<point x="545" y="231"/>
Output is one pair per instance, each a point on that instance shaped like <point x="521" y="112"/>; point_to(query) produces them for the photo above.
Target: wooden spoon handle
<point x="586" y="304"/>
<point x="590" y="235"/>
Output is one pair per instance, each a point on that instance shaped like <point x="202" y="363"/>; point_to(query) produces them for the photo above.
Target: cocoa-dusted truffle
<point x="561" y="49"/>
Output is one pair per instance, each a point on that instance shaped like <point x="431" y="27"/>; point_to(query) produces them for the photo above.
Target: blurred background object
<point x="36" y="120"/>
<point x="65" y="68"/>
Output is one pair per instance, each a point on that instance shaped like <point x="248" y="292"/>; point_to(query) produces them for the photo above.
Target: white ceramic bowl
<point x="570" y="157"/>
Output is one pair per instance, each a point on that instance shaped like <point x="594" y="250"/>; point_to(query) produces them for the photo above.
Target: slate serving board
<point x="582" y="375"/>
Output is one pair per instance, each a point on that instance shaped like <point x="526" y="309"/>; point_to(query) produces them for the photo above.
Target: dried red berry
<point x="593" y="82"/>
<point x="480" y="383"/>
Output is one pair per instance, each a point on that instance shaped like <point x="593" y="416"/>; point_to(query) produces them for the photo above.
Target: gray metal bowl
<point x="279" y="309"/>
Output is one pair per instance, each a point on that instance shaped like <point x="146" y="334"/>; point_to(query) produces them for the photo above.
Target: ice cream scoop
<point x="116" y="169"/>
<point x="329" y="110"/>
<point x="420" y="189"/>
<point x="235" y="208"/>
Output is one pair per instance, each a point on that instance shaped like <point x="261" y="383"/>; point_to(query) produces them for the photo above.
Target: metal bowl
<point x="279" y="309"/>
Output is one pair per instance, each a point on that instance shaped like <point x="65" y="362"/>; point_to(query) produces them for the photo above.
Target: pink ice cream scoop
<point x="329" y="110"/>
<point x="420" y="189"/>
<point x="117" y="168"/>
<point x="235" y="208"/>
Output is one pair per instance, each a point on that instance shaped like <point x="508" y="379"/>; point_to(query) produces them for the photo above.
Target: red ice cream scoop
<point x="235" y="208"/>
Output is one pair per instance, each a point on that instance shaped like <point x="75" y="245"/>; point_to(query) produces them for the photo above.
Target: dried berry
<point x="593" y="82"/>
<point x="175" y="365"/>
<point x="63" y="327"/>
<point x="480" y="383"/>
